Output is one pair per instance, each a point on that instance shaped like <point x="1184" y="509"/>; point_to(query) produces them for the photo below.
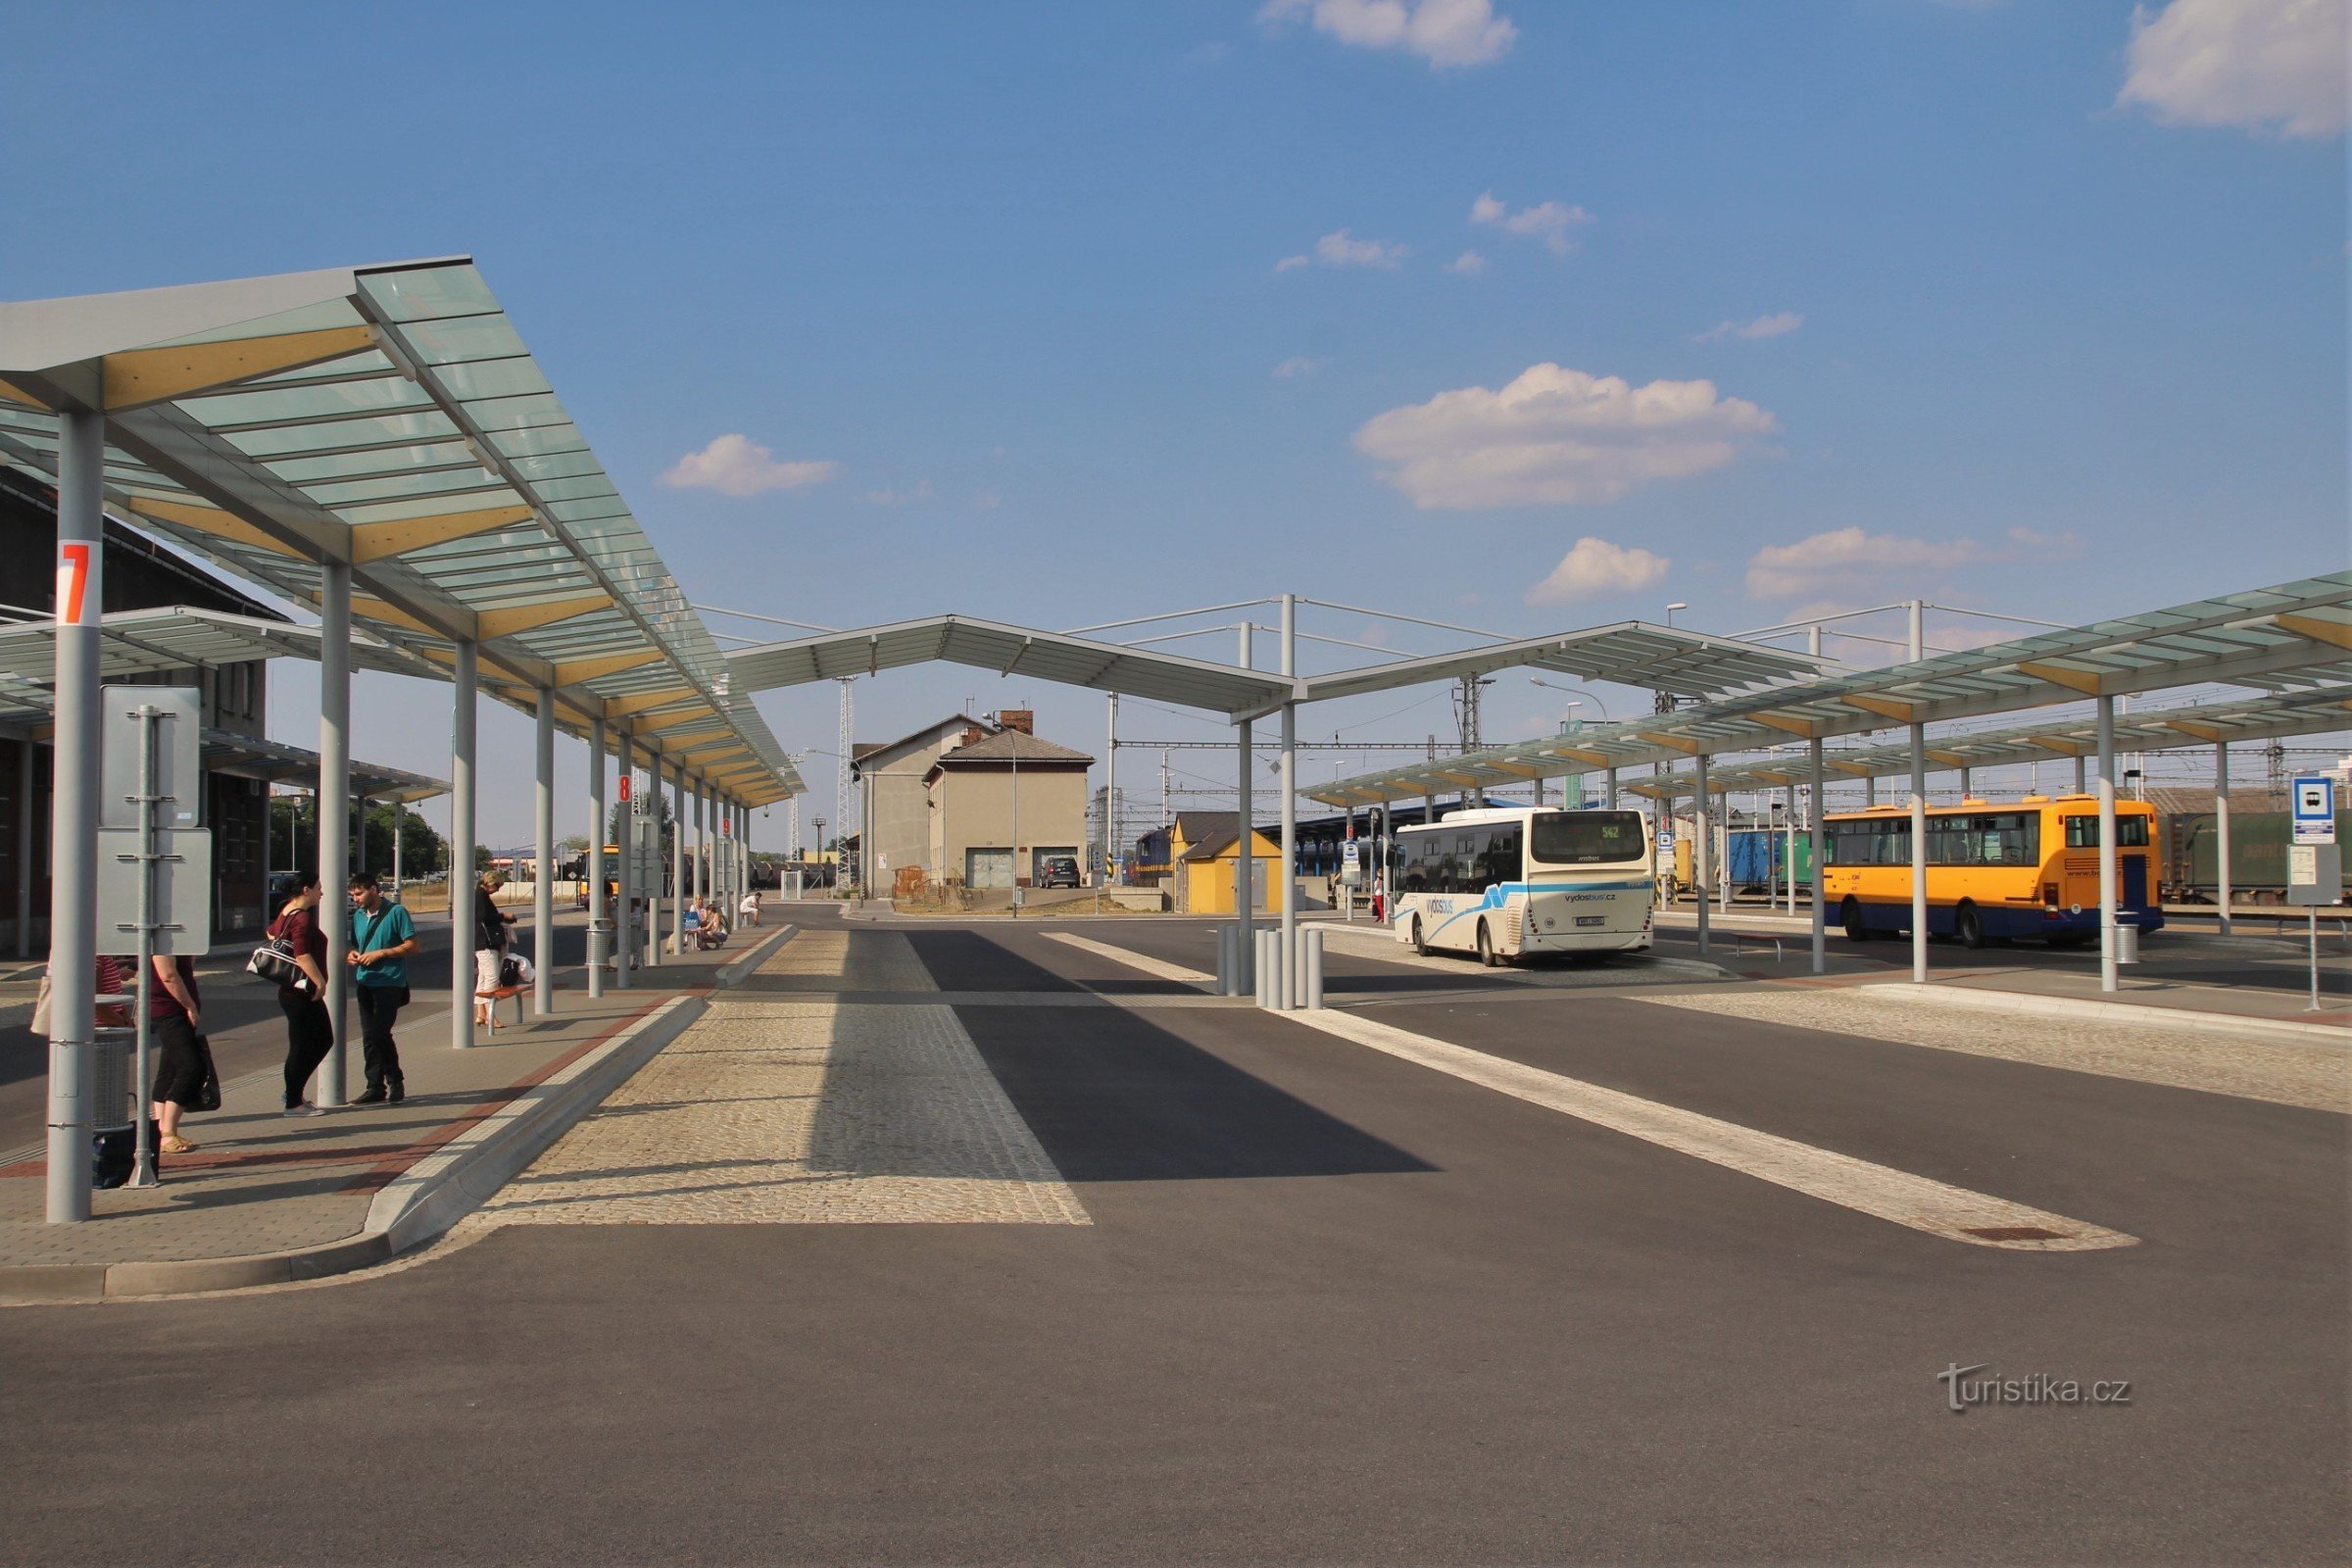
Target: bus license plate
<point x="1592" y="919"/>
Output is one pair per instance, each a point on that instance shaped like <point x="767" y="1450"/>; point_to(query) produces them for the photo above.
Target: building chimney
<point x="972" y="735"/>
<point x="1023" y="719"/>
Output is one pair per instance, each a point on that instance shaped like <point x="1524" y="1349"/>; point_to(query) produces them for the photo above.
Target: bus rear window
<point x="1585" y="838"/>
<point x="2131" y="832"/>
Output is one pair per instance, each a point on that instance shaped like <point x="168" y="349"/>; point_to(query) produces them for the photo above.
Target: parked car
<point x="1060" y="871"/>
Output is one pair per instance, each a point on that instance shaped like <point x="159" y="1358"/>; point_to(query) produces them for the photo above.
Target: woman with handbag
<point x="176" y="1023"/>
<point x="302" y="998"/>
<point x="491" y="939"/>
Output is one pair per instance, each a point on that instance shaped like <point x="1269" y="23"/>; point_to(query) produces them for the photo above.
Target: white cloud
<point x="2266" y="65"/>
<point x="1289" y="261"/>
<point x="1342" y="249"/>
<point x="1295" y="365"/>
<point x="1549" y="221"/>
<point x="1851" y="562"/>
<point x="1443" y="32"/>
<point x="1557" y="437"/>
<point x="1467" y="264"/>
<point x="1596" y="567"/>
<point x="899" y="498"/>
<point x="1778" y="324"/>
<point x="734" y="466"/>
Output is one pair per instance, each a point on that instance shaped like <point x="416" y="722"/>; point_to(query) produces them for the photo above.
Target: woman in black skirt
<point x="175" y="1019"/>
<point x="310" y="1032"/>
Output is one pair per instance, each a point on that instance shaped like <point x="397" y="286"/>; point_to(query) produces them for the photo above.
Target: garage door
<point x="988" y="868"/>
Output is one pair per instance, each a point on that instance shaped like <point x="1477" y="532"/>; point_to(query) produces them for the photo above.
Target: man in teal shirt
<point x="382" y="936"/>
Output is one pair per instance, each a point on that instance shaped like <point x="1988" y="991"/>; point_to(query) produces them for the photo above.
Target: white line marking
<point x="1952" y="1212"/>
<point x="1157" y="968"/>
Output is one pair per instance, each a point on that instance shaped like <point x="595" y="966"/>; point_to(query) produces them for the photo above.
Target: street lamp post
<point x="821" y="846"/>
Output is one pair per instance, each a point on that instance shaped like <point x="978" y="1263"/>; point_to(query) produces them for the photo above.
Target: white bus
<point x="1524" y="882"/>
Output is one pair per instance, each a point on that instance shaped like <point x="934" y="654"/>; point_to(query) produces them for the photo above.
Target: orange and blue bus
<point x="2030" y="868"/>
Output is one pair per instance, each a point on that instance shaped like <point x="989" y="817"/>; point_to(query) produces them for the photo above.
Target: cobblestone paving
<point x="2314" y="1074"/>
<point x="786" y="1107"/>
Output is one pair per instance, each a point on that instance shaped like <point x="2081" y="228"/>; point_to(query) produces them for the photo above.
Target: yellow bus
<point x="2025" y="869"/>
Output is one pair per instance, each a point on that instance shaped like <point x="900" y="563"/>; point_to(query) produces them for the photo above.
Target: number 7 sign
<point x="77" y="573"/>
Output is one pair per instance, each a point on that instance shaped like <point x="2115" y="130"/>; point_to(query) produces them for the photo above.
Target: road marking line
<point x="1952" y="1212"/>
<point x="1157" y="968"/>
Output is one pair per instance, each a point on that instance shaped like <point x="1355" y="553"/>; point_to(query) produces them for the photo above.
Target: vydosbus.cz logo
<point x="1961" y="1389"/>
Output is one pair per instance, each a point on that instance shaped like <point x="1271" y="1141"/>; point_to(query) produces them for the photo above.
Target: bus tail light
<point x="2049" y="893"/>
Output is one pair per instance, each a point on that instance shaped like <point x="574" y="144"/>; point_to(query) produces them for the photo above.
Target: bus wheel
<point x="1485" y="948"/>
<point x="1856" y="928"/>
<point x="1420" y="943"/>
<point x="1968" y="926"/>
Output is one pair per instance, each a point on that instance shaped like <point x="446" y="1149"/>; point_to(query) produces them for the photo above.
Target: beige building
<point x="1007" y="800"/>
<point x="895" y="799"/>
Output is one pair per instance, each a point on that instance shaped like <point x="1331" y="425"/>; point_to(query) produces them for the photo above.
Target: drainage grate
<point x="2011" y="1233"/>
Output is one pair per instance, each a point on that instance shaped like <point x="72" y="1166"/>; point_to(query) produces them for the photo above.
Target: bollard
<point x="1229" y="960"/>
<point x="1261" y="968"/>
<point x="1314" y="967"/>
<point x="1269" y="968"/>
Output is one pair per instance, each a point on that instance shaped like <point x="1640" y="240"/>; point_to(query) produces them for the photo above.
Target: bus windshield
<point x="1584" y="838"/>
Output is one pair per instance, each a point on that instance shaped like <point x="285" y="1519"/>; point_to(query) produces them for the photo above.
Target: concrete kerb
<point x="2146" y="1016"/>
<point x="425" y="1201"/>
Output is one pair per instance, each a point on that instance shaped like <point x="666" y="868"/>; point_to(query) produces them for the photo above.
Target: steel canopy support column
<point x="597" y="829"/>
<point x="334" y="815"/>
<point x="73" y="814"/>
<point x="1288" y="995"/>
<point x="466" y="679"/>
<point x="543" y="869"/>
<point x="24" y="848"/>
<point x="2221" y="830"/>
<point x="1821" y="957"/>
<point x="678" y="848"/>
<point x="1919" y="853"/>
<point x="1111" y="798"/>
<point x="1245" y="836"/>
<point x="2108" y="978"/>
<point x="624" y="947"/>
<point x="1701" y="849"/>
<point x="1611" y="777"/>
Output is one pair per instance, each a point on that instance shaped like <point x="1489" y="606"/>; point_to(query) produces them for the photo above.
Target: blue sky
<point x="1012" y="277"/>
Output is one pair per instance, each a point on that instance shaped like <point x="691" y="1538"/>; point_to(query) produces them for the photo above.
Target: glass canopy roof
<point x="2293" y="640"/>
<point x="390" y="416"/>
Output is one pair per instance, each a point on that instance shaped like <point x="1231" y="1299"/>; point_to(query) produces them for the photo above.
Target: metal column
<point x="624" y="947"/>
<point x="1919" y="853"/>
<point x="1244" y="837"/>
<point x="1701" y="846"/>
<point x="399" y="824"/>
<point x="1819" y="856"/>
<point x="677" y="856"/>
<point x="74" y="813"/>
<point x="2108" y="979"/>
<point x="2221" y="830"/>
<point x="1287" y="995"/>
<point x="334" y="815"/>
<point x="467" y="677"/>
<point x="24" y="848"/>
<point x="543" y="869"/>
<point x="1611" y="789"/>
<point x="1111" y="798"/>
<point x="597" y="829"/>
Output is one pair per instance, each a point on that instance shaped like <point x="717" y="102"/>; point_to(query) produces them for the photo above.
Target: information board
<point x="2312" y="803"/>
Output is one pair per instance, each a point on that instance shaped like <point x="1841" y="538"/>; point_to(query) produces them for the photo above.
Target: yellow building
<point x="1205" y="871"/>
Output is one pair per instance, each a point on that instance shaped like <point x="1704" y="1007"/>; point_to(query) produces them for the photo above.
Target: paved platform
<point x="265" y="1196"/>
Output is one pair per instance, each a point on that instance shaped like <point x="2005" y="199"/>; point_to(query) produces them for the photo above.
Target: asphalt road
<point x="1332" y="1306"/>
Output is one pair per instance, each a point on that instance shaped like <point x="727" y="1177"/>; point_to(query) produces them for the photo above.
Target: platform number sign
<point x="2314" y="799"/>
<point x="77" y="594"/>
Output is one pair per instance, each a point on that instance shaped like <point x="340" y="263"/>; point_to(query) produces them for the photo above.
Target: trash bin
<point x="2126" y="943"/>
<point x="113" y="1136"/>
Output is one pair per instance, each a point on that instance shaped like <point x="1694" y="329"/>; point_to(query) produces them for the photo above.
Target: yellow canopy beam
<point x="139" y="376"/>
<point x="381" y="541"/>
<point x="213" y="520"/>
<point x="573" y="672"/>
<point x="1883" y="707"/>
<point x="519" y="618"/>
<point x="1793" y="726"/>
<point x="2335" y="633"/>
<point x="2074" y="680"/>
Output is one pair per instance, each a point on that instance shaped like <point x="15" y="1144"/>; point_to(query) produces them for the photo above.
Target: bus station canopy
<point x="251" y="756"/>
<point x="389" y="418"/>
<point x="2293" y="637"/>
<point x="1631" y="654"/>
<point x="153" y="642"/>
